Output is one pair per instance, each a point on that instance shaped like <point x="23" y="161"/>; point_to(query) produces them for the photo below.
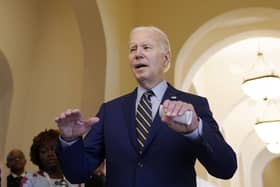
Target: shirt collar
<point x="158" y="90"/>
<point x="15" y="175"/>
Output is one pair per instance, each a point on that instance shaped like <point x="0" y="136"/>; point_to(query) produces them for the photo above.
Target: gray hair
<point x="164" y="42"/>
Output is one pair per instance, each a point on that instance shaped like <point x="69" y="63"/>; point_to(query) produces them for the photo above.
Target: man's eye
<point x="147" y="47"/>
<point x="132" y="49"/>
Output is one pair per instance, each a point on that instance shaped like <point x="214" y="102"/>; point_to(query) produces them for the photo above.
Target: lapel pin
<point x="173" y="98"/>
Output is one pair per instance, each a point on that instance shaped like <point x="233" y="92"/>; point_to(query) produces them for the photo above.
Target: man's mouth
<point x="138" y="66"/>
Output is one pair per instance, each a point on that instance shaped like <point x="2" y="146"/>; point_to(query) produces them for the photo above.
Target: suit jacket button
<point x="140" y="164"/>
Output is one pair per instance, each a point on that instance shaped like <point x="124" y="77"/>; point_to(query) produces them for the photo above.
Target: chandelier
<point x="262" y="84"/>
<point x="268" y="125"/>
<point x="269" y="132"/>
<point x="261" y="81"/>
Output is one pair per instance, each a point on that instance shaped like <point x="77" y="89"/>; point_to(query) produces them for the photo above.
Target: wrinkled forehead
<point x="144" y="37"/>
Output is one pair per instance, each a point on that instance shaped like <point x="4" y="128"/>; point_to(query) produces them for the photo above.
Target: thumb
<point x="166" y="119"/>
<point x="91" y="121"/>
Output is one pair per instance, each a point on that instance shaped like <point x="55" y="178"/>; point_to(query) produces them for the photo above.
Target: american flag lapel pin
<point x="174" y="98"/>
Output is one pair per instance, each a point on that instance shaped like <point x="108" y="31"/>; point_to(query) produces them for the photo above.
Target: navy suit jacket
<point x="168" y="158"/>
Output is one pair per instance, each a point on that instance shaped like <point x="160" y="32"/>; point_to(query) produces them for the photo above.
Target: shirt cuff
<point x="66" y="143"/>
<point x="194" y="135"/>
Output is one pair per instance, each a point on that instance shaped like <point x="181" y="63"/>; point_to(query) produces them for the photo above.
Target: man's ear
<point x="167" y="62"/>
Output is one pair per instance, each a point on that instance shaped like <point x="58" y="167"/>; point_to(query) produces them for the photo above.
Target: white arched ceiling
<point x="219" y="32"/>
<point x="226" y="69"/>
<point x="214" y="61"/>
<point x="257" y="168"/>
<point x="252" y="152"/>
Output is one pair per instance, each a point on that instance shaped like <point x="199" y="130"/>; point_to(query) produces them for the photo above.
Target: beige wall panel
<point x="117" y="18"/>
<point x="55" y="81"/>
<point x="94" y="50"/>
<point x="18" y="27"/>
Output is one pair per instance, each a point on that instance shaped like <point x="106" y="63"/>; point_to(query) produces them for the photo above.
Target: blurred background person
<point x="16" y="163"/>
<point x="43" y="155"/>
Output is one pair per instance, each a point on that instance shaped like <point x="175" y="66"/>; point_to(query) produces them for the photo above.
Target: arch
<point x="260" y="162"/>
<point x="219" y="32"/>
<point x="271" y="173"/>
<point x="6" y="92"/>
<point x="93" y="42"/>
<point x="186" y="83"/>
<point x="253" y="160"/>
<point x="211" y="37"/>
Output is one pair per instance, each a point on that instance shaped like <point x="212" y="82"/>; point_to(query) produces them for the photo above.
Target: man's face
<point x="147" y="58"/>
<point x="16" y="161"/>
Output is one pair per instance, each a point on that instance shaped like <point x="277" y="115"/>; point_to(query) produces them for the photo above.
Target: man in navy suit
<point x="167" y="155"/>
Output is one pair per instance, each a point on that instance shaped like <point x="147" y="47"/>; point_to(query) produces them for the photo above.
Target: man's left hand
<point x="177" y="108"/>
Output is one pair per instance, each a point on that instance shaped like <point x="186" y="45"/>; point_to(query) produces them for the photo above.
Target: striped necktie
<point x="144" y="118"/>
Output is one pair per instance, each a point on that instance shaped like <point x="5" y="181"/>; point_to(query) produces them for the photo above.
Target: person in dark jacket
<point x="140" y="134"/>
<point x="16" y="163"/>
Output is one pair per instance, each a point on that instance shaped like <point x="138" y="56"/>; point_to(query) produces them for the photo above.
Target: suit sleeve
<point x="215" y="154"/>
<point x="79" y="160"/>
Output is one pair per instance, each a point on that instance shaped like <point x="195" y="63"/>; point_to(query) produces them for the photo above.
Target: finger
<point x="165" y="103"/>
<point x="64" y="114"/>
<point x="74" y="115"/>
<point x="166" y="119"/>
<point x="170" y="108"/>
<point x="68" y="116"/>
<point x="91" y="121"/>
<point x="177" y="108"/>
<point x="57" y="119"/>
<point x="68" y="112"/>
<point x="183" y="109"/>
<point x="60" y="118"/>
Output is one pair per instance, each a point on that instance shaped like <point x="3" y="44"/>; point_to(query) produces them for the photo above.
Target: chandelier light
<point x="268" y="126"/>
<point x="261" y="81"/>
<point x="269" y="131"/>
<point x="273" y="148"/>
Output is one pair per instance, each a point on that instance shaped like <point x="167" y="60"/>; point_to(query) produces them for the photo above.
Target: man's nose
<point x="138" y="54"/>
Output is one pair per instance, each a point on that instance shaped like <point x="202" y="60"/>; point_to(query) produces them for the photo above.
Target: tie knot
<point x="148" y="94"/>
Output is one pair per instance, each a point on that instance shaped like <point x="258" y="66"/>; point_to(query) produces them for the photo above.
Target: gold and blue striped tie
<point x="144" y="119"/>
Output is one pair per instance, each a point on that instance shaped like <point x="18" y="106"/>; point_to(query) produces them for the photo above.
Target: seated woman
<point x="43" y="155"/>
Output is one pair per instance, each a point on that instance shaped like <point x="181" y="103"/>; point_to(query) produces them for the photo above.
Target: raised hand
<point x="72" y="126"/>
<point x="177" y="108"/>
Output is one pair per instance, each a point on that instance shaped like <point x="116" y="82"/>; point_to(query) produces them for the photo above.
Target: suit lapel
<point x="129" y="116"/>
<point x="157" y="123"/>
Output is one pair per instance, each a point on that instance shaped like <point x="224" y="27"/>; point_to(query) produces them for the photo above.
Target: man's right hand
<point x="72" y="126"/>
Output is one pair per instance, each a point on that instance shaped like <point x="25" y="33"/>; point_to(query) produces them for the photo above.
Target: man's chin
<point x="141" y="80"/>
<point x="141" y="76"/>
